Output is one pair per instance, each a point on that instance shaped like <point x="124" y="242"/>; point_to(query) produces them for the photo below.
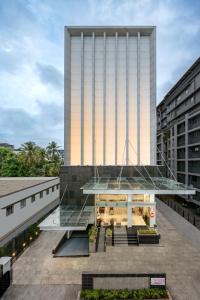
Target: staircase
<point x="132" y="236"/>
<point x="125" y="237"/>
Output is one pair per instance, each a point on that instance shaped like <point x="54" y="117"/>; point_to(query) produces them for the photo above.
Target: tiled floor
<point x="175" y="255"/>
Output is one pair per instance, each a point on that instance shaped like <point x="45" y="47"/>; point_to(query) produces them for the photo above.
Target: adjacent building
<point x="23" y="202"/>
<point x="178" y="130"/>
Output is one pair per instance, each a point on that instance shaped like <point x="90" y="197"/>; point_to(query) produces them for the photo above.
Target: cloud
<point x="19" y="126"/>
<point x="50" y="75"/>
<point x="31" y="54"/>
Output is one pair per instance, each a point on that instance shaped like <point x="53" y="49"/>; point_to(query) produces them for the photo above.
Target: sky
<point x="32" y="62"/>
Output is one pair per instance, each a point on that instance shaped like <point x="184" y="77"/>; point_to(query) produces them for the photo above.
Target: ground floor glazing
<point x="125" y="210"/>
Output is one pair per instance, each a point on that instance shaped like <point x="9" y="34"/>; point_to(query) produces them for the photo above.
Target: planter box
<point x="169" y="297"/>
<point x="148" y="238"/>
<point x="92" y="247"/>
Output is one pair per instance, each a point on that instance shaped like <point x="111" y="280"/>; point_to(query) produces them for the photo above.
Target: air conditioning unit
<point x="5" y="265"/>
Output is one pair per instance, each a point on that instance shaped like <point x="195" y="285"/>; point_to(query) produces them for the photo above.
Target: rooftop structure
<point x="10" y="185"/>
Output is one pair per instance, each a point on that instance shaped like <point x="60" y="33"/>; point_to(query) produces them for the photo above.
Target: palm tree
<point x="28" y="151"/>
<point x="52" y="152"/>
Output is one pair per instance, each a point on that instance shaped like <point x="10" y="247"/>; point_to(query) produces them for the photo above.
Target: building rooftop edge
<point x="74" y="30"/>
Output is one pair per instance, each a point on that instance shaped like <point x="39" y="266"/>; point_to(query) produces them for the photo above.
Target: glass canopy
<point x="136" y="185"/>
<point x="69" y="217"/>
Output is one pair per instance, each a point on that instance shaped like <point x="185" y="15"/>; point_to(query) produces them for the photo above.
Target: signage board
<point x="152" y="212"/>
<point x="157" y="281"/>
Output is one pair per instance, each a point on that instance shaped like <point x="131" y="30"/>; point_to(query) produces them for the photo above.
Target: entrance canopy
<point x="69" y="218"/>
<point x="136" y="185"/>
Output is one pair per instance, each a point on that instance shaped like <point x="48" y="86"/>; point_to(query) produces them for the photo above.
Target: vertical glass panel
<point x="87" y="100"/>
<point x="75" y="100"/>
<point x="110" y="100"/>
<point x="145" y="100"/>
<point x="132" y="100"/>
<point x="121" y="96"/>
<point x="99" y="68"/>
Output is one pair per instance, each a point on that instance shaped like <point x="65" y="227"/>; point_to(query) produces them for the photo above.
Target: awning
<point x="136" y="185"/>
<point x="69" y="218"/>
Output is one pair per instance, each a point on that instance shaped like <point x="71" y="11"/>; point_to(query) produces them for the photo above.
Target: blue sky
<point x="31" y="54"/>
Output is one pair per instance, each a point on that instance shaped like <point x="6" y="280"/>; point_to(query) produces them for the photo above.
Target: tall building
<point x="178" y="129"/>
<point x="110" y="95"/>
<point x="110" y="176"/>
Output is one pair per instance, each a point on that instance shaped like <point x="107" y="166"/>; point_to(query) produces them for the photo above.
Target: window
<point x="47" y="191"/>
<point x="9" y="210"/>
<point x="32" y="198"/>
<point x="57" y="186"/>
<point x="52" y="189"/>
<point x="23" y="203"/>
<point x="41" y="195"/>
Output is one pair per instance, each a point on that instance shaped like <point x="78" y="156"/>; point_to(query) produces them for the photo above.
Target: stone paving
<point x="175" y="255"/>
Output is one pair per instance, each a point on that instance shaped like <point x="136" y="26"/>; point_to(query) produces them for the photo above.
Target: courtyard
<point x="37" y="275"/>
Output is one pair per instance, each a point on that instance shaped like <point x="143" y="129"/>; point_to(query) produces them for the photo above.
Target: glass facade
<point x="110" y="98"/>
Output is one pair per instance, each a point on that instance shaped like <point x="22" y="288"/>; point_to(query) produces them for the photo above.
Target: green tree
<point x="31" y="160"/>
<point x="10" y="165"/>
<point x="54" y="159"/>
<point x="28" y="152"/>
<point x="52" y="152"/>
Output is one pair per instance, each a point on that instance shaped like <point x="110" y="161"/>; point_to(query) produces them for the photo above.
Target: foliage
<point x="147" y="231"/>
<point x="147" y="219"/>
<point x="124" y="294"/>
<point x="30" y="160"/>
<point x="108" y="232"/>
<point x="92" y="233"/>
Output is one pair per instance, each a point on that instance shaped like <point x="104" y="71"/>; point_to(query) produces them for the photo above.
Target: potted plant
<point x="92" y="239"/>
<point x="148" y="236"/>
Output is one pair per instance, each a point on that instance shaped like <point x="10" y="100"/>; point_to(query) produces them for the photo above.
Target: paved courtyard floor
<point x="40" y="276"/>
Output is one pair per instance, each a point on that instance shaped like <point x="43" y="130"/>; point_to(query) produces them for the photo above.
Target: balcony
<point x="194" y="122"/>
<point x="194" y="152"/>
<point x="181" y="153"/>
<point x="195" y="181"/>
<point x="181" y="141"/>
<point x="194" y="167"/>
<point x="181" y="178"/>
<point x="181" y="128"/>
<point x="181" y="166"/>
<point x="194" y="137"/>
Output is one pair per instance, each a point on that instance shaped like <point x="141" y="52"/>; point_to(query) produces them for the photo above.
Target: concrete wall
<point x="21" y="218"/>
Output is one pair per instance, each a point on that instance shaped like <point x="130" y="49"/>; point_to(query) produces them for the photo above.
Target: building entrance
<point x="117" y="216"/>
<point x="114" y="210"/>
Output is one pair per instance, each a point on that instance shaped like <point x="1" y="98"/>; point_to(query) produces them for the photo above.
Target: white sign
<point x="157" y="281"/>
